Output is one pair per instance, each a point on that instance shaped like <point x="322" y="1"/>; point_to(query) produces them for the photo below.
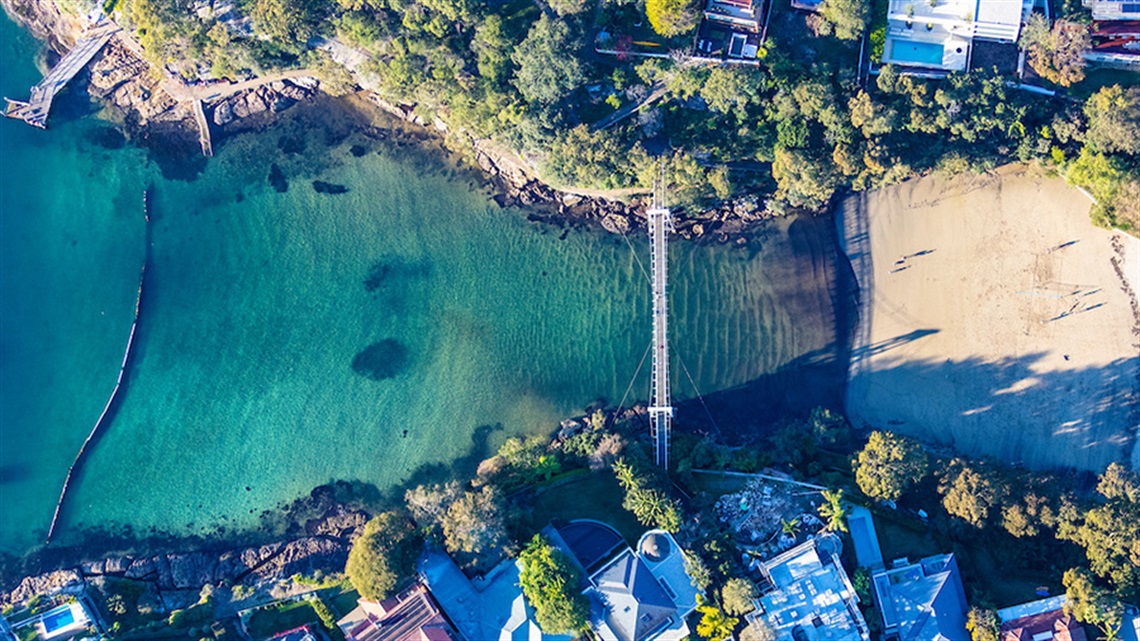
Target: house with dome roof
<point x="635" y="595"/>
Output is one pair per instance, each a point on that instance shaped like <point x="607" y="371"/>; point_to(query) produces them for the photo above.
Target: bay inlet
<point x="322" y="306"/>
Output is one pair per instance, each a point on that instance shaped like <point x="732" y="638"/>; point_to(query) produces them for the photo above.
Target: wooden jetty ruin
<point x="35" y="110"/>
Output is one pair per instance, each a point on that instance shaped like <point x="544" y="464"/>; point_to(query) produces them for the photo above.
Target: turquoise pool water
<point x="55" y="620"/>
<point x="923" y="53"/>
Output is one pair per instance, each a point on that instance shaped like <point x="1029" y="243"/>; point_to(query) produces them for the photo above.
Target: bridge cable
<point x="634" y="379"/>
<point x="635" y="256"/>
<point x="698" y="391"/>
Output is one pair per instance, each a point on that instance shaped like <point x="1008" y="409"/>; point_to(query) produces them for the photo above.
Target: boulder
<point x="223" y="113"/>
<point x="615" y="224"/>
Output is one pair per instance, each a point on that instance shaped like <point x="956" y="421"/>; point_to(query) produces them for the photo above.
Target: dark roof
<point x="636" y="603"/>
<point x="1063" y="627"/>
<point x="589" y="541"/>
<point x="405" y="617"/>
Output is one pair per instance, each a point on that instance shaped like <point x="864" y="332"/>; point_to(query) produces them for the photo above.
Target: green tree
<point x="671" y="17"/>
<point x="833" y="511"/>
<point x="548" y="68"/>
<point x="846" y="19"/>
<point x="737" y="595"/>
<point x="983" y="624"/>
<point x="1110" y="531"/>
<point x="1102" y="175"/>
<point x="699" y="574"/>
<point x="492" y="46"/>
<point x="1092" y="604"/>
<point x="715" y="625"/>
<point x="803" y="179"/>
<point x="1056" y="54"/>
<point x="475" y="523"/>
<point x="650" y="505"/>
<point x="970" y="492"/>
<point x="1028" y="515"/>
<point x="384" y="553"/>
<point x="328" y="620"/>
<point x="550" y="582"/>
<point x="288" y="22"/>
<point x="888" y="465"/>
<point x="1114" y="120"/>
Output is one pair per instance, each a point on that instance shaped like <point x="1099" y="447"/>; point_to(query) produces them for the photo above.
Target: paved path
<point x="655" y="93"/>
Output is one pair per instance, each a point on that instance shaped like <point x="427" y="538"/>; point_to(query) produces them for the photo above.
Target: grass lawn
<point x="1097" y="78"/>
<point x="265" y="623"/>
<point x="717" y="485"/>
<point x="593" y="496"/>
<point x="343" y="603"/>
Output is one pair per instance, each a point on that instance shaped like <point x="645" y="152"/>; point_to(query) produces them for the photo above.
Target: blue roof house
<point x="810" y="597"/>
<point x="922" y="601"/>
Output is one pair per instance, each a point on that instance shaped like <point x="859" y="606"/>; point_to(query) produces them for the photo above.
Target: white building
<point x="938" y="34"/>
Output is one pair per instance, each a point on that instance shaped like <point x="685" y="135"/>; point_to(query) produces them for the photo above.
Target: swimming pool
<point x="53" y="621"/>
<point x="923" y="53"/>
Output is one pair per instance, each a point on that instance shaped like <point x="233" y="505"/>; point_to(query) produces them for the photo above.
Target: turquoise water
<point x="926" y="53"/>
<point x="291" y="339"/>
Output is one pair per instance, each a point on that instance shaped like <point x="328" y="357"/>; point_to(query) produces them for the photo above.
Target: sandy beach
<point x="996" y="319"/>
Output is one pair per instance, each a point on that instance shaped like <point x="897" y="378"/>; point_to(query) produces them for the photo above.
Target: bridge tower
<point x="660" y="408"/>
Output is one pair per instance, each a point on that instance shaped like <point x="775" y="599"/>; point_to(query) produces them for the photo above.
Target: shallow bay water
<point x="292" y="338"/>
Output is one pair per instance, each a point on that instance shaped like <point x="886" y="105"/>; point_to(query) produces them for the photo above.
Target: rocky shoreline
<point x="318" y="533"/>
<point x="141" y="103"/>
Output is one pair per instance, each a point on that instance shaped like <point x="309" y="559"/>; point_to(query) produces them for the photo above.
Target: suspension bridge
<point x="660" y="408"/>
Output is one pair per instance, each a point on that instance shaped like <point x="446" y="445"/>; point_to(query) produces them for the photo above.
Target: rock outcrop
<point x="324" y="549"/>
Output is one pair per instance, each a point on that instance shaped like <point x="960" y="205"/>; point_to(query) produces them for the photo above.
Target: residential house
<point x="641" y="595"/>
<point x="731" y="29"/>
<point x="1041" y="620"/>
<point x="490" y="608"/>
<point x="411" y="615"/>
<point x="937" y="35"/>
<point x="922" y="601"/>
<point x="1116" y="40"/>
<point x="809" y="596"/>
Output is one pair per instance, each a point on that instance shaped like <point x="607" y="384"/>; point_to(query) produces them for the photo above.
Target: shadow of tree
<point x="1018" y="410"/>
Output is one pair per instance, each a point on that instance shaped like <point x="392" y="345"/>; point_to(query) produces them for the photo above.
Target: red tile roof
<point x="1056" y="623"/>
<point x="409" y="616"/>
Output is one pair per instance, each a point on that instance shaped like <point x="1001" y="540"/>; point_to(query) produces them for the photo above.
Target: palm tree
<point x="790" y="527"/>
<point x="833" y="511"/>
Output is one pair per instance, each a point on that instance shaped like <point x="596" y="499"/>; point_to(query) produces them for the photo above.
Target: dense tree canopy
<point x="671" y="17"/>
<point x="384" y="553"/>
<point x="1056" y="53"/>
<point x="1110" y="531"/>
<point x="550" y="582"/>
<point x="651" y="505"/>
<point x="547" y="63"/>
<point x="737" y="595"/>
<point x="846" y="19"/>
<point x="475" y="523"/>
<point x="1092" y="604"/>
<point x="1114" y="120"/>
<point x="888" y="465"/>
<point x="970" y="491"/>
